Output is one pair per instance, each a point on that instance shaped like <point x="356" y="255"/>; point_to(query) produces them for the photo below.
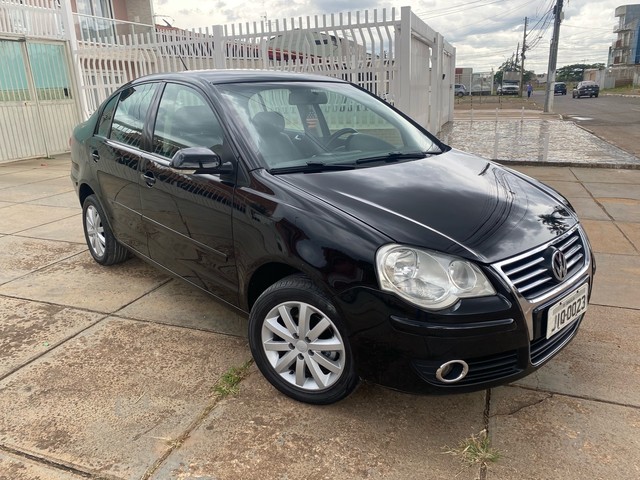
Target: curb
<point x="552" y="163"/>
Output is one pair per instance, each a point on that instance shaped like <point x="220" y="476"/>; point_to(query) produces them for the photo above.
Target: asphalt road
<point x="612" y="117"/>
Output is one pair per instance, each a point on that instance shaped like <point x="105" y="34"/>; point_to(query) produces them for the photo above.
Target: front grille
<point x="485" y="369"/>
<point x="532" y="276"/>
<point x="542" y="349"/>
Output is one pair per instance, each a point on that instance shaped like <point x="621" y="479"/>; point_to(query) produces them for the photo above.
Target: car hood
<point x="453" y="202"/>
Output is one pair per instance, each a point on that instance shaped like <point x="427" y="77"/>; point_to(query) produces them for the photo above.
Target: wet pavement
<point x="531" y="138"/>
<point x="109" y="372"/>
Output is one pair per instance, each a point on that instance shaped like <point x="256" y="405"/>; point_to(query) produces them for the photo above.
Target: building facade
<point x="626" y="48"/>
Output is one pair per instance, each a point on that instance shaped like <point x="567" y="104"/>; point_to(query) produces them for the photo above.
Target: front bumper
<point x="501" y="338"/>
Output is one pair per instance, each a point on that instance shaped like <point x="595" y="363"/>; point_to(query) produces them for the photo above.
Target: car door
<point x="116" y="148"/>
<point x="188" y="214"/>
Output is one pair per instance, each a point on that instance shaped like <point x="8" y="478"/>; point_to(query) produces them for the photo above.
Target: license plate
<point x="567" y="310"/>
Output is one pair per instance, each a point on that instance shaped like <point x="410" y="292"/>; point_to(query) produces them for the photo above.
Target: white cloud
<point x="484" y="32"/>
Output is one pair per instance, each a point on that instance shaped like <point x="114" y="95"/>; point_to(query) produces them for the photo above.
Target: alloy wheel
<point x="95" y="231"/>
<point x="303" y="346"/>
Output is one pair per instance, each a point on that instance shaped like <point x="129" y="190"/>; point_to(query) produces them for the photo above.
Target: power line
<point x="456" y="8"/>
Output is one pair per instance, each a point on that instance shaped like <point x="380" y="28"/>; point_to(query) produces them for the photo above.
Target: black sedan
<point x="586" y="89"/>
<point x="359" y="245"/>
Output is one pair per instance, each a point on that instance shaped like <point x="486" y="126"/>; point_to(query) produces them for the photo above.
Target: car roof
<point x="239" y="76"/>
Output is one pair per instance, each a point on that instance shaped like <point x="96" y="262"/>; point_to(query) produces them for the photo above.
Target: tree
<point x="573" y="73"/>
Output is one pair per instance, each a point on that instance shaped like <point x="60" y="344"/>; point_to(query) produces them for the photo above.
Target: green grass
<point x="626" y="90"/>
<point x="229" y="382"/>
<point x="476" y="450"/>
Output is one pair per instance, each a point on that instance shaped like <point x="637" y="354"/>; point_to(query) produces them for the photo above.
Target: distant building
<point x="463" y="77"/>
<point x="626" y="49"/>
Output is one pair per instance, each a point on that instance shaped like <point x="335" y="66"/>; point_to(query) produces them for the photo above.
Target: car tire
<point x="103" y="246"/>
<point x="596" y="95"/>
<point x="309" y="361"/>
<point x="459" y="94"/>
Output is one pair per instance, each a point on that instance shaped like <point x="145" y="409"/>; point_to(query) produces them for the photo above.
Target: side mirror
<point x="199" y="158"/>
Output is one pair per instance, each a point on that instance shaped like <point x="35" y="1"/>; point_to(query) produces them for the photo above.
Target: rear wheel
<point x="299" y="343"/>
<point x="103" y="246"/>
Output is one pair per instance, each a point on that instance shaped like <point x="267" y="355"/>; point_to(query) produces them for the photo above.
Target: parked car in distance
<point x="508" y="89"/>
<point x="586" y="88"/>
<point x="357" y="243"/>
<point x="560" y="88"/>
<point x="460" y="90"/>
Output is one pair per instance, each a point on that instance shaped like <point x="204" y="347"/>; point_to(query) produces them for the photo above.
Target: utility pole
<point x="553" y="58"/>
<point x="524" y="48"/>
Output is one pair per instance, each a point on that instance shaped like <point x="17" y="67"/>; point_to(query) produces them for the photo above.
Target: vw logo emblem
<point x="559" y="265"/>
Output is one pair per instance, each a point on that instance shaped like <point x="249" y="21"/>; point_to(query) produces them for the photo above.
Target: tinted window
<point x="131" y="113"/>
<point x="277" y="100"/>
<point x="184" y="119"/>
<point x="104" y="124"/>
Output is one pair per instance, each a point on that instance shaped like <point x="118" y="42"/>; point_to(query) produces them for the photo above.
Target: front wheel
<point x="103" y="246"/>
<point x="299" y="343"/>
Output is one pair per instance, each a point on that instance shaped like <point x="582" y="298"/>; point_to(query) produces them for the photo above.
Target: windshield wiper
<point x="312" y="167"/>
<point x="394" y="157"/>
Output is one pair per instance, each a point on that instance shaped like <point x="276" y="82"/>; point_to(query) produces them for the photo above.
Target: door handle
<point x="95" y="155"/>
<point x="149" y="179"/>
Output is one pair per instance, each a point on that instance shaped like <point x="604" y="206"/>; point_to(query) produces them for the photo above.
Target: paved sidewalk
<point x="530" y="137"/>
<point x="109" y="372"/>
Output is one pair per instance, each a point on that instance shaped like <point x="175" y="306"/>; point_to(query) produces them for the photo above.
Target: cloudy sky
<point x="484" y="32"/>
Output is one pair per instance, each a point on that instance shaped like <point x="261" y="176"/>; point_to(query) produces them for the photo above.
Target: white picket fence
<point x="391" y="53"/>
<point x="397" y="57"/>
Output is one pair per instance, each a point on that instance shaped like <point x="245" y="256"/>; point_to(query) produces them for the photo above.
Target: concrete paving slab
<point x="17" y="217"/>
<point x="27" y="177"/>
<point x="591" y="364"/>
<point x="33" y="191"/>
<point x="614" y="190"/>
<point x="59" y="161"/>
<point x="375" y="433"/>
<point x="113" y="400"/>
<point x="569" y="189"/>
<point x="67" y="229"/>
<point x="19" y="256"/>
<point x="178" y="303"/>
<point x="546" y="436"/>
<point x="68" y="199"/>
<point x="13" y="467"/>
<point x="535" y="141"/>
<point x="606" y="237"/>
<point x="29" y="329"/>
<point x="617" y="281"/>
<point x="600" y="175"/>
<point x="547" y="174"/>
<point x="622" y="209"/>
<point x="588" y="209"/>
<point x="632" y="231"/>
<point x="81" y="283"/>
<point x="6" y="204"/>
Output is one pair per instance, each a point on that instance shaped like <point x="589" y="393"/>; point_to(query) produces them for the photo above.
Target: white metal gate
<point x="37" y="105"/>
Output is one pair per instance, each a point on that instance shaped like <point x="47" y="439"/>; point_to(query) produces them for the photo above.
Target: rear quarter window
<point x="104" y="122"/>
<point x="131" y="114"/>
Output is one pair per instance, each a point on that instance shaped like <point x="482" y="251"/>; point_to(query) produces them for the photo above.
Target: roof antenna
<point x="177" y="51"/>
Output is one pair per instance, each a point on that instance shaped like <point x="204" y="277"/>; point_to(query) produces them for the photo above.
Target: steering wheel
<point x="336" y="135"/>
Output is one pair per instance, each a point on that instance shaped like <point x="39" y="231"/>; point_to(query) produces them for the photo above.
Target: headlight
<point x="429" y="279"/>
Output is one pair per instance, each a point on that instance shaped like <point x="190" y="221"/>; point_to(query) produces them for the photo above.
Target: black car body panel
<point x="586" y="89"/>
<point x="420" y="203"/>
<point x="234" y="234"/>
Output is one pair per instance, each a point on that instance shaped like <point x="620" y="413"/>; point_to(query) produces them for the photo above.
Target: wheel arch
<point x="265" y="276"/>
<point x="83" y="192"/>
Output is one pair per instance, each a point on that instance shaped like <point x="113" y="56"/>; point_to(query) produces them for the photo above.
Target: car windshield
<point x="310" y="126"/>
